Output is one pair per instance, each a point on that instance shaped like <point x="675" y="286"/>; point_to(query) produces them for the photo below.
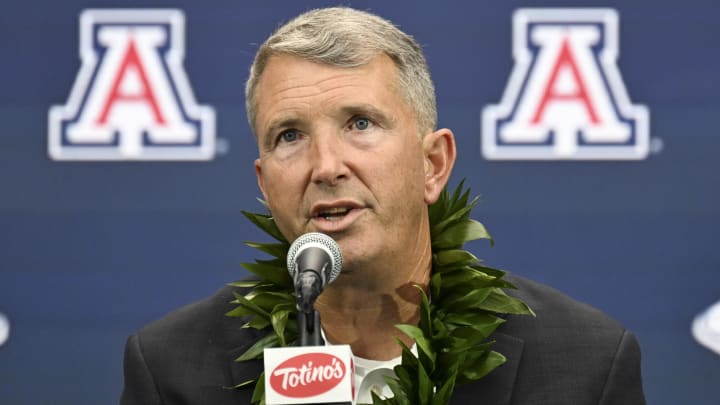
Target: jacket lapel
<point x="245" y="370"/>
<point x="495" y="388"/>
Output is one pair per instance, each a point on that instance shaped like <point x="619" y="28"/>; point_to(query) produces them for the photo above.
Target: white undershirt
<point x="370" y="375"/>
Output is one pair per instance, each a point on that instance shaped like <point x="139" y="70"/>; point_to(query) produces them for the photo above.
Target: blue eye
<point x="289" y="136"/>
<point x="361" y="123"/>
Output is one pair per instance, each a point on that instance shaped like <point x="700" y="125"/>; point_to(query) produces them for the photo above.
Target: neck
<point x="364" y="314"/>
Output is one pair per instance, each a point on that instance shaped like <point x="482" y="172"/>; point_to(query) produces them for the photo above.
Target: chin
<point x="358" y="256"/>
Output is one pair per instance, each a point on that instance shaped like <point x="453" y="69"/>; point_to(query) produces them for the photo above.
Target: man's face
<point x="340" y="153"/>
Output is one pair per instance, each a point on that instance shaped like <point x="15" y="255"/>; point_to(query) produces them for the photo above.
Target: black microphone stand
<point x="308" y="287"/>
<point x="309" y="328"/>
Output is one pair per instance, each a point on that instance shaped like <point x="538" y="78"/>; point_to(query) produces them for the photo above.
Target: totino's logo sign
<point x="565" y="98"/>
<point x="307" y="375"/>
<point x="131" y="99"/>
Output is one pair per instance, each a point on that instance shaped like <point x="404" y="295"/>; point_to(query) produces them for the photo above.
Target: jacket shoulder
<point x="555" y="309"/>
<point x="571" y="351"/>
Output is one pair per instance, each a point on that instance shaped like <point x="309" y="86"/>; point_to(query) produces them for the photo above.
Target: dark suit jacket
<point x="570" y="354"/>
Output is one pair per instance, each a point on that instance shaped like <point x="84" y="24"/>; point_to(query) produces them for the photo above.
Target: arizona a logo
<point x="565" y="98"/>
<point x="131" y="99"/>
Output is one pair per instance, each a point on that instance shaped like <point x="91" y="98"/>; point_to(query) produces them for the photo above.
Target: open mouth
<point x="334" y="214"/>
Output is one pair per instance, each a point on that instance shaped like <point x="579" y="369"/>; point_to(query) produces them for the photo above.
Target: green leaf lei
<point x="466" y="304"/>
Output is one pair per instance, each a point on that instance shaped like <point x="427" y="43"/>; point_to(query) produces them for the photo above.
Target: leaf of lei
<point x="466" y="303"/>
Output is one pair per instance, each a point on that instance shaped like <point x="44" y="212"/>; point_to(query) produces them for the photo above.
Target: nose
<point x="329" y="160"/>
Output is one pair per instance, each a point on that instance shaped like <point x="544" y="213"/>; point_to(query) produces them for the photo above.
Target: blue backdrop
<point x="89" y="252"/>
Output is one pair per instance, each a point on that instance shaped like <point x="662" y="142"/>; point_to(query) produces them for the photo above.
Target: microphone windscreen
<point x="315" y="240"/>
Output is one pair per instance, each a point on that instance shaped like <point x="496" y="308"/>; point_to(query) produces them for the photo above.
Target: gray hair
<point x="345" y="37"/>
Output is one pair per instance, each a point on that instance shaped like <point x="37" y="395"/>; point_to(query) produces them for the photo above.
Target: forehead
<point x="289" y="85"/>
<point x="279" y="66"/>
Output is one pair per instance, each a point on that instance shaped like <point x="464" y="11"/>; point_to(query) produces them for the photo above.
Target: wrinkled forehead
<point x="283" y="71"/>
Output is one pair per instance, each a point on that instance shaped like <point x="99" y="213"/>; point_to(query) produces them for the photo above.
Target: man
<point x="343" y="109"/>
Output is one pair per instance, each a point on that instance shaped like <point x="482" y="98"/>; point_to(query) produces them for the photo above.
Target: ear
<point x="439" y="150"/>
<point x="258" y="173"/>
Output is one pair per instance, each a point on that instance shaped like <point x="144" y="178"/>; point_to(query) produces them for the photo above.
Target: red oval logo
<point x="307" y="375"/>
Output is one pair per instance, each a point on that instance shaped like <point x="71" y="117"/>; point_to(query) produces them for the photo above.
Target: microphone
<point x="314" y="261"/>
<point x="311" y="373"/>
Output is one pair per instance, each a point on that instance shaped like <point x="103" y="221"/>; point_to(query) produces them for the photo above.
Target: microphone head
<point x="316" y="240"/>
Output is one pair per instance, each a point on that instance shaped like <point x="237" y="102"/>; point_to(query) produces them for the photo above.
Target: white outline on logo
<point x="4" y="329"/>
<point x="706" y="328"/>
<point x="205" y="148"/>
<point x="491" y="150"/>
